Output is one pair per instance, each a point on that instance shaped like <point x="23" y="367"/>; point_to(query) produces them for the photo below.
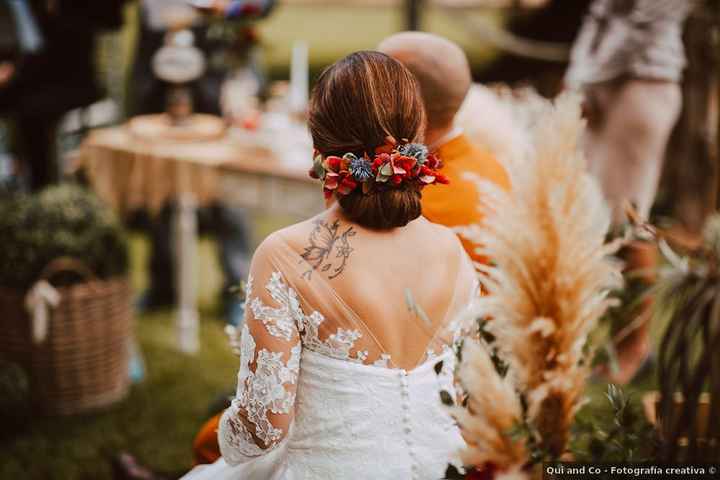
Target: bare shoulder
<point x="291" y="236"/>
<point x="443" y="237"/>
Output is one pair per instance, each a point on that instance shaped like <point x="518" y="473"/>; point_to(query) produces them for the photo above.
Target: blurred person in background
<point x="148" y="94"/>
<point x="553" y="22"/>
<point x="443" y="73"/>
<point x="627" y="61"/>
<point x="47" y="68"/>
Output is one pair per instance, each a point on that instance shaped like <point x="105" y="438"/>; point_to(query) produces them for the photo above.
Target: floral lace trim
<point x="236" y="442"/>
<point x="281" y="321"/>
<point x="264" y="389"/>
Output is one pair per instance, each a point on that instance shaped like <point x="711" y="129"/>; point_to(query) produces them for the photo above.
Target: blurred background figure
<point x="443" y="72"/>
<point x="541" y="33"/>
<point x="47" y="68"/>
<point x="225" y="56"/>
<point x="627" y="61"/>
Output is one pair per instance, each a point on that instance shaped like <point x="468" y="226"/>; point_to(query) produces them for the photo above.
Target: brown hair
<point x="357" y="102"/>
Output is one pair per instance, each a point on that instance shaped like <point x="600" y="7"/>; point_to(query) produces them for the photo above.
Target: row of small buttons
<point x="405" y="403"/>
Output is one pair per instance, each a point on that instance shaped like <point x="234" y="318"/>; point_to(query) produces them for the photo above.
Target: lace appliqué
<point x="337" y="345"/>
<point x="281" y="321"/>
<point x="265" y="391"/>
<point x="236" y="442"/>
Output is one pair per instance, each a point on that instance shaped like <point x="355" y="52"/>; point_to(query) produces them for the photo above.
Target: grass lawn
<point x="159" y="418"/>
<point x="335" y="31"/>
<point x="156" y="422"/>
<point x="330" y="32"/>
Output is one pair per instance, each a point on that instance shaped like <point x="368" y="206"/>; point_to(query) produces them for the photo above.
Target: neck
<point x="438" y="137"/>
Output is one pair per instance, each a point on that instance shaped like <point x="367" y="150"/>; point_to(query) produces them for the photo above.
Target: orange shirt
<point x="457" y="204"/>
<point x="205" y="446"/>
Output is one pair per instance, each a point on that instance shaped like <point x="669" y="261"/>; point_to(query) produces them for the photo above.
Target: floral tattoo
<point x="329" y="249"/>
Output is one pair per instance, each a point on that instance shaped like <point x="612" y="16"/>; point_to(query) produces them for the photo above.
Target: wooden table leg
<point x="186" y="235"/>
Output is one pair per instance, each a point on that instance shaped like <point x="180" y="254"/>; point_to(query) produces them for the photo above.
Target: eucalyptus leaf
<point x="446" y="398"/>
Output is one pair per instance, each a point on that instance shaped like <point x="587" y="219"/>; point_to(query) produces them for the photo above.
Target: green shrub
<point x="61" y="221"/>
<point x="14" y="398"/>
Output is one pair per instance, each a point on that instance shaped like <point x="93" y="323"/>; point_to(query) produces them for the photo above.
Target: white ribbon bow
<point x="38" y="302"/>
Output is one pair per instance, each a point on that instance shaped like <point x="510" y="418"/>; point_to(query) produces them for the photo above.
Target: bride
<point x="350" y="315"/>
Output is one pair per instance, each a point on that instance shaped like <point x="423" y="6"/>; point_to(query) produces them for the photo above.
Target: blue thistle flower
<point x="361" y="169"/>
<point x="417" y="150"/>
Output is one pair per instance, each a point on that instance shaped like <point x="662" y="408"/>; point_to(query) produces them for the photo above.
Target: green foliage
<point x="620" y="434"/>
<point x="688" y="301"/>
<point x="14" y="397"/>
<point x="61" y="221"/>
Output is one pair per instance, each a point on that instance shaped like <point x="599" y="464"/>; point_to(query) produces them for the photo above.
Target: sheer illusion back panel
<point x="340" y="291"/>
<point x="361" y="283"/>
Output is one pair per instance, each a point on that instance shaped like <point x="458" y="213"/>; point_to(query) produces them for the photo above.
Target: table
<point x="130" y="171"/>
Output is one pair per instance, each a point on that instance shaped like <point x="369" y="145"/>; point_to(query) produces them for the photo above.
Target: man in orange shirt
<point x="443" y="72"/>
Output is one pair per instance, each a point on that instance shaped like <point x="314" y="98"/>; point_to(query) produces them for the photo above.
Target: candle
<point x="299" y="78"/>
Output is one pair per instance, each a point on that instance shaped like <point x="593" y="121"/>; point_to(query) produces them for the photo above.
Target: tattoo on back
<point x="329" y="249"/>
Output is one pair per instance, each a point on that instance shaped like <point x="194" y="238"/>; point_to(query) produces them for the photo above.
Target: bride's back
<point x="367" y="282"/>
<point x="400" y="288"/>
<point x="385" y="280"/>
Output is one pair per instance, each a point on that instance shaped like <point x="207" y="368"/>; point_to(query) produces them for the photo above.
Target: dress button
<point x="408" y="430"/>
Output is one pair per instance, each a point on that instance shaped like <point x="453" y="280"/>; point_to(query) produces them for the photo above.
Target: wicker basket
<point x="82" y="364"/>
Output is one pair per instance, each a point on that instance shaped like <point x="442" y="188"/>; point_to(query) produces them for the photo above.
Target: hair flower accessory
<point x="392" y="166"/>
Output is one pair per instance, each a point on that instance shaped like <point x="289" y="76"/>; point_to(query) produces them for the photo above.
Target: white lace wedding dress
<point x="319" y="397"/>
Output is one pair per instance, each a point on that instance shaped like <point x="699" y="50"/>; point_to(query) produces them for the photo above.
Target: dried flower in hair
<point x="416" y="150"/>
<point x="360" y="168"/>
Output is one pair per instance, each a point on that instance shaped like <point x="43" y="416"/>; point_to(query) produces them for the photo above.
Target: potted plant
<point x="65" y="297"/>
<point x="687" y="406"/>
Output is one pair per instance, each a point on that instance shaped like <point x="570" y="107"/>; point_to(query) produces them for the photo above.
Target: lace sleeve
<point x="262" y="411"/>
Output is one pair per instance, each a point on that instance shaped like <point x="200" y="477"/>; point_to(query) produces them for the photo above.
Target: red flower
<point x="397" y="179"/>
<point x="440" y="178"/>
<point x="379" y="160"/>
<point x="347" y="185"/>
<point x="433" y="161"/>
<point x="332" y="180"/>
<point x="334" y="163"/>
<point x="313" y="173"/>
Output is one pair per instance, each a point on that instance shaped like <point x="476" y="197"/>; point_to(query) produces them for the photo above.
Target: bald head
<point x="440" y="67"/>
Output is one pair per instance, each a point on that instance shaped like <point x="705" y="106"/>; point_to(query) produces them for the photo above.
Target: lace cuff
<point x="236" y="443"/>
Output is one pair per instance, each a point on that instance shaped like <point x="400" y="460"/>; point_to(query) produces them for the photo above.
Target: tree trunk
<point x="692" y="169"/>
